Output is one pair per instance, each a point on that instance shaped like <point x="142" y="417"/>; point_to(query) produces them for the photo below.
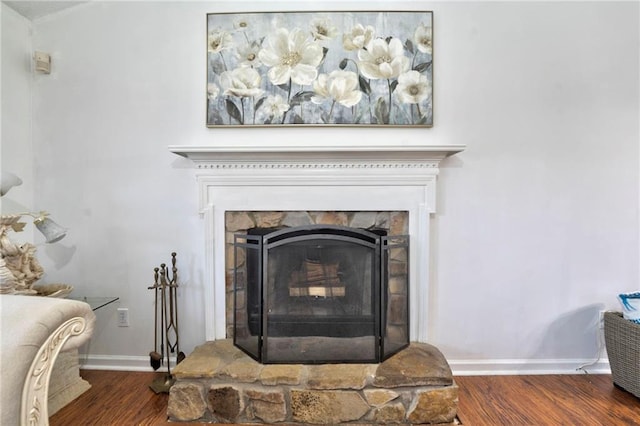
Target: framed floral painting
<point x="320" y="68"/>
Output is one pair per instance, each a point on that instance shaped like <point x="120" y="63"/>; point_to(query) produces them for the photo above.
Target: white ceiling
<point x="37" y="9"/>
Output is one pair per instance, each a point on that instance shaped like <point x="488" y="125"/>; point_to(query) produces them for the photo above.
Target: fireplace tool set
<point x="165" y="289"/>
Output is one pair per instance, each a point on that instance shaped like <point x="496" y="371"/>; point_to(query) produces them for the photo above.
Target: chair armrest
<point x="34" y="330"/>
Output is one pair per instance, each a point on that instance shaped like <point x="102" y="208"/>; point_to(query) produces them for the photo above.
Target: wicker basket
<point x="623" y="346"/>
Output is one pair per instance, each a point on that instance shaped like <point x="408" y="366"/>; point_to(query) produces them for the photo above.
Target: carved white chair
<point x="33" y="331"/>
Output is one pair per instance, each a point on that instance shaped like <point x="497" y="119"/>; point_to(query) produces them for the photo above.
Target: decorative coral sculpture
<point x="19" y="267"/>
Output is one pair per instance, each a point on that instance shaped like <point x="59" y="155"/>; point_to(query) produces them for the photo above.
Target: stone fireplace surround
<point x="219" y="383"/>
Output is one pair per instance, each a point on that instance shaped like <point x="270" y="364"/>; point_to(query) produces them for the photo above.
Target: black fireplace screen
<point x="320" y="294"/>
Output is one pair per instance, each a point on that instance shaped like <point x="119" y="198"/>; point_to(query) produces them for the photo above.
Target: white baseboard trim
<point x="498" y="367"/>
<point x="117" y="363"/>
<point x="466" y="367"/>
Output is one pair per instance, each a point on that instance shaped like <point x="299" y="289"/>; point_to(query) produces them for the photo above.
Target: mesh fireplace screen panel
<point x="247" y="293"/>
<point x="395" y="295"/>
<point x="320" y="301"/>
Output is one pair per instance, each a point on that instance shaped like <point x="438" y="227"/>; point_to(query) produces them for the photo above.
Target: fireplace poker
<point x="173" y="300"/>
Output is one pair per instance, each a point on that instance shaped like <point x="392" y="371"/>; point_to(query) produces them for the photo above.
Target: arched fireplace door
<point x="321" y="294"/>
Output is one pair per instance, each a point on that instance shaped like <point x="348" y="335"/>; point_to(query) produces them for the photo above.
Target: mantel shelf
<point x="284" y="154"/>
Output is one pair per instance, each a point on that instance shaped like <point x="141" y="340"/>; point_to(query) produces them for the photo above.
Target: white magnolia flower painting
<point x="315" y="68"/>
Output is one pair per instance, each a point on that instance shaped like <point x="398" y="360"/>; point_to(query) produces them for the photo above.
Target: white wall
<point x="537" y="226"/>
<point x="16" y="151"/>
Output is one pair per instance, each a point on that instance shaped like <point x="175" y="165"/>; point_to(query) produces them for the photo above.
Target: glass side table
<point x="96" y="302"/>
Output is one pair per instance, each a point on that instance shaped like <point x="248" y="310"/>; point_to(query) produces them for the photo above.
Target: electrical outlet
<point x="123" y="317"/>
<point x="601" y="319"/>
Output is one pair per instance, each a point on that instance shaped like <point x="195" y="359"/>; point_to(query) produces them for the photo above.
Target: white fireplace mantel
<point x="325" y="178"/>
<point x="221" y="156"/>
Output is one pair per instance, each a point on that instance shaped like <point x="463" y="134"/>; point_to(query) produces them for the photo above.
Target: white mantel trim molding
<point x="305" y="178"/>
<point x="323" y="165"/>
<point x="301" y="156"/>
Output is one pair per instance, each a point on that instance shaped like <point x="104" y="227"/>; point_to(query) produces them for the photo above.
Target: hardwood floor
<point x="124" y="398"/>
<point x="545" y="400"/>
<point x="116" y="398"/>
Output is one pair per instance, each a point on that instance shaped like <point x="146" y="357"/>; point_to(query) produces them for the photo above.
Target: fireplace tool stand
<point x="165" y="289"/>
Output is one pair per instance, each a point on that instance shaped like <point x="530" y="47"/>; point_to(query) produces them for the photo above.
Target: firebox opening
<point x="320" y="294"/>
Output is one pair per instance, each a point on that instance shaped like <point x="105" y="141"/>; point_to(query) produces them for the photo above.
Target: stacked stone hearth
<point x="218" y="383"/>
